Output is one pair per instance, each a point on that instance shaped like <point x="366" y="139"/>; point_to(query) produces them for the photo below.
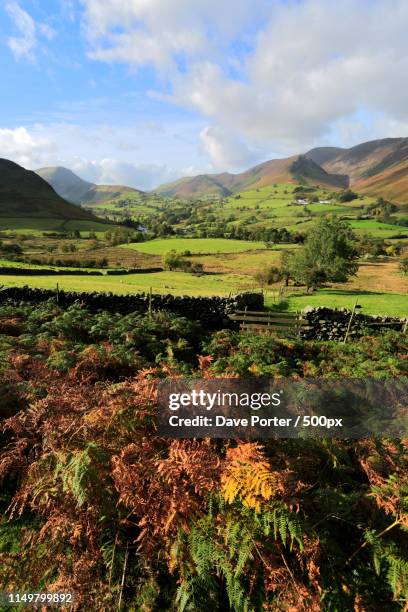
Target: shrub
<point x="404" y="265"/>
<point x="347" y="195"/>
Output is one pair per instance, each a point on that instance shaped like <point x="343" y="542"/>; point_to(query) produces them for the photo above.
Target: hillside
<point x="378" y="167"/>
<point x="197" y="186"/>
<point x="67" y="184"/>
<point x="101" y="194"/>
<point x="27" y="197"/>
<point x="391" y="183"/>
<point x="74" y="189"/>
<point x="322" y="155"/>
<point x="296" y="169"/>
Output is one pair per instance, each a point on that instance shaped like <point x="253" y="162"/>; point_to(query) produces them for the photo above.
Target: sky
<point x="141" y="92"/>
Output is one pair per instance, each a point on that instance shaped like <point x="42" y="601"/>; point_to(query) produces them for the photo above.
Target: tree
<point x="370" y="245"/>
<point x="329" y="254"/>
<point x="347" y="195"/>
<point x="175" y="261"/>
<point x="284" y="269"/>
<point x="269" y="276"/>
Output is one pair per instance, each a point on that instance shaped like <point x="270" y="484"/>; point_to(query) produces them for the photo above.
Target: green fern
<point x="284" y="523"/>
<point x="387" y="557"/>
<point x="80" y="475"/>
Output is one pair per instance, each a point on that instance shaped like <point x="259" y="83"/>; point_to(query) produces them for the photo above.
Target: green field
<point x="376" y="228"/>
<point x="181" y="283"/>
<point x="18" y="264"/>
<point x="387" y="303"/>
<point x="178" y="283"/>
<point x="37" y="225"/>
<point x="194" y="245"/>
<point x="230" y="265"/>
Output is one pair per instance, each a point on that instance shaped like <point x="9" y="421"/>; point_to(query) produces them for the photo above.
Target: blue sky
<point x="144" y="91"/>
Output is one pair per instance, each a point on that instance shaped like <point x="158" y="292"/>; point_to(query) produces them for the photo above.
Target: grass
<point x="18" y="264"/>
<point x="379" y="287"/>
<point x="195" y="245"/>
<point x="272" y="206"/>
<point x="230" y="265"/>
<point x="38" y="225"/>
<point x="376" y="228"/>
<point x="392" y="304"/>
<point x="249" y="262"/>
<point x="181" y="283"/>
<point x="177" y="283"/>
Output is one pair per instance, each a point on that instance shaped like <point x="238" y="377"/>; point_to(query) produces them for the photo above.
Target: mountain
<point x="322" y="155"/>
<point x="377" y="167"/>
<point x="67" y="184"/>
<point x="74" y="189"/>
<point x="296" y="169"/>
<point x="26" y="195"/>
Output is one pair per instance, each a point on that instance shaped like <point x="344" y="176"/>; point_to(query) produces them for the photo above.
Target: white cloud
<point x="113" y="172"/>
<point x="226" y="151"/>
<point x="47" y="31"/>
<point x="59" y="144"/>
<point x="163" y="32"/>
<point x="23" y="45"/>
<point x="303" y="67"/>
<point x="267" y="77"/>
<point x="315" y="64"/>
<point x="24" y="147"/>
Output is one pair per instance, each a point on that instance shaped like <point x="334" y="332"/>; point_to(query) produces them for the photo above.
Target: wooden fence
<point x="269" y="322"/>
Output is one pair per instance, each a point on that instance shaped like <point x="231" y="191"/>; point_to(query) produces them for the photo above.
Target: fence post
<point x="150" y="303"/>
<point x="57" y="294"/>
<point x="349" y="323"/>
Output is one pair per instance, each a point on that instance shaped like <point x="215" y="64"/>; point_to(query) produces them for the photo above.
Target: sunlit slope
<point x="296" y="169"/>
<point x="378" y="167"/>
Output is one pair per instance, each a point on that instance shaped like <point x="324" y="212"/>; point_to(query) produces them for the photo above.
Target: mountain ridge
<point x="377" y="167"/>
<point x="66" y="183"/>
<point x="73" y="188"/>
<point x="297" y="168"/>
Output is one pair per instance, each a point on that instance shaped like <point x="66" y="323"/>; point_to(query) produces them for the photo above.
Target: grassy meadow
<point x="38" y="225"/>
<point x="195" y="245"/>
<point x="371" y="302"/>
<point x="177" y="283"/>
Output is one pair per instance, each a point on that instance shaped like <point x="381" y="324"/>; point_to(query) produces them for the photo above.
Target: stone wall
<point x="212" y="312"/>
<point x="328" y="324"/>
